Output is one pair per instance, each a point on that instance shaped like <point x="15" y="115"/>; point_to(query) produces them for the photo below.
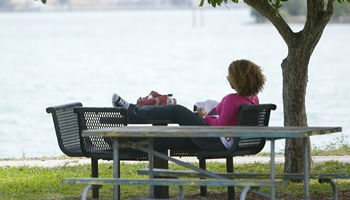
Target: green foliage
<point x="275" y="4"/>
<point x="341" y="9"/>
<point x="294" y="8"/>
<point x="214" y="3"/>
<point x="337" y="147"/>
<point x="342" y="1"/>
<point x="332" y="166"/>
<point x="43" y="1"/>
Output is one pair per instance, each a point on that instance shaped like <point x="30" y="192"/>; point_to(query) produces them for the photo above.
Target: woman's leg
<point x="182" y="116"/>
<point x="163" y="144"/>
<point x="175" y="113"/>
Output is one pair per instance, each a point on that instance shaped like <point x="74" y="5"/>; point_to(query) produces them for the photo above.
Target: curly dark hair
<point x="246" y="78"/>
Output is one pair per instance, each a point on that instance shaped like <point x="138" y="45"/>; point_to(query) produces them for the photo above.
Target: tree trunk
<point x="295" y="78"/>
<point x="294" y="71"/>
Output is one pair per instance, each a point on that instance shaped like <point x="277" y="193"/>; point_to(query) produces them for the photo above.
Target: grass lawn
<point x="45" y="182"/>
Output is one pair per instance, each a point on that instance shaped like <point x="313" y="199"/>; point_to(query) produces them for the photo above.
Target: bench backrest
<point x="71" y="119"/>
<point x="67" y="129"/>
<point x="255" y="114"/>
<point x="252" y="115"/>
<point x="90" y="118"/>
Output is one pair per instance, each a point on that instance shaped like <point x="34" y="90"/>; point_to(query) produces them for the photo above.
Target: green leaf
<point x="214" y="3"/>
<point x="44" y="1"/>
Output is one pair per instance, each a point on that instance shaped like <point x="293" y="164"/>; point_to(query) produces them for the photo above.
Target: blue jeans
<point x="182" y="116"/>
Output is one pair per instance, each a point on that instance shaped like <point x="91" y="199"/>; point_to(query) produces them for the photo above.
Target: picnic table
<point x="151" y="132"/>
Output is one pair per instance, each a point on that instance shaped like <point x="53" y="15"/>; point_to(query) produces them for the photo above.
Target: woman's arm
<point x="228" y="109"/>
<point x="201" y="113"/>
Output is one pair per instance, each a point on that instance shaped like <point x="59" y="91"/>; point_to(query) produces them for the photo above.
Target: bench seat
<point x="165" y="181"/>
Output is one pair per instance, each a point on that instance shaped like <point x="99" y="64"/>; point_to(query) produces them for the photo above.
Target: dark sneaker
<point x="117" y="101"/>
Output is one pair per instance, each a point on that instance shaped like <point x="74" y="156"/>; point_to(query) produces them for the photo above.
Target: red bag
<point x="153" y="99"/>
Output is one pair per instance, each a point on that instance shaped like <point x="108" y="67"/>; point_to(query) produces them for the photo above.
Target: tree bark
<point x="294" y="71"/>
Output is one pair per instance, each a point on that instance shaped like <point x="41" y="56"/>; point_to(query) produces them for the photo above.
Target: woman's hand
<point x="201" y="113"/>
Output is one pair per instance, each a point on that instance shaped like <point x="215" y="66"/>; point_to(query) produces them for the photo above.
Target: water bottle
<point x="170" y="99"/>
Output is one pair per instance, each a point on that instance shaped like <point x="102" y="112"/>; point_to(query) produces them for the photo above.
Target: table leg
<point x="116" y="168"/>
<point x="150" y="166"/>
<point x="161" y="192"/>
<point x="306" y="168"/>
<point x="272" y="168"/>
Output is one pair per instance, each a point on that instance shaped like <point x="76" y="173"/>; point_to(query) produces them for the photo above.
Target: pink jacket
<point x="228" y="109"/>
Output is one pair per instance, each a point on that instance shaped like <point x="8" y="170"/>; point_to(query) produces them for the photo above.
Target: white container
<point x="170" y="99"/>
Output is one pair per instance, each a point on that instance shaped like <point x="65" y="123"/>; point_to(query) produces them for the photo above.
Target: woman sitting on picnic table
<point x="245" y="77"/>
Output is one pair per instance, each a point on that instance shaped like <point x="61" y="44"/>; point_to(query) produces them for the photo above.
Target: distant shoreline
<point x="261" y="20"/>
<point x="302" y="20"/>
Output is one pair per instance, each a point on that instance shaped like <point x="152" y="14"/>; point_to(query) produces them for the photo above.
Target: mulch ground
<point x="341" y="196"/>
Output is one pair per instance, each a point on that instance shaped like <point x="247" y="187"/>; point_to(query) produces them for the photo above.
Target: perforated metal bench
<point x="70" y="119"/>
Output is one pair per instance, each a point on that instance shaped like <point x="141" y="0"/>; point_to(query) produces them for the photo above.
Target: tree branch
<point x="318" y="14"/>
<point x="280" y="24"/>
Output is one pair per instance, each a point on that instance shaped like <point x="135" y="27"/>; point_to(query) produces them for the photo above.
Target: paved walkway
<point x="75" y="161"/>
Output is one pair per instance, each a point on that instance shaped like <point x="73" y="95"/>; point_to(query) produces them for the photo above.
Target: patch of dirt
<point x="210" y="196"/>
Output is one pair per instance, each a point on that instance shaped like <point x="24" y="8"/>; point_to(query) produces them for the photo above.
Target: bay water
<point x="53" y="58"/>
